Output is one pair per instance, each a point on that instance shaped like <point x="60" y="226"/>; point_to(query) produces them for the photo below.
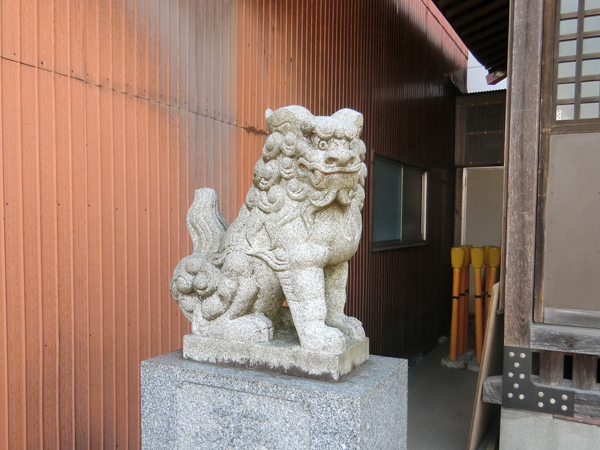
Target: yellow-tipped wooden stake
<point x="457" y="256"/>
<point x="486" y="272"/>
<point x="494" y="262"/>
<point x="477" y="262"/>
<point x="463" y="307"/>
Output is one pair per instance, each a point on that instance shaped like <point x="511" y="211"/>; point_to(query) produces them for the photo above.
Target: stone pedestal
<point x="283" y="354"/>
<point x="192" y="405"/>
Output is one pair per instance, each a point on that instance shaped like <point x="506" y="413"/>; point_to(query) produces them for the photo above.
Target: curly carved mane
<point x="294" y="165"/>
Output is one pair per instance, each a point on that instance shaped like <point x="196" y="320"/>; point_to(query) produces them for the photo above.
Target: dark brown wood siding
<point x="480" y="129"/>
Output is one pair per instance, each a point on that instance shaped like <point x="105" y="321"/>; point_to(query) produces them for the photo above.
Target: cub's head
<point x="317" y="158"/>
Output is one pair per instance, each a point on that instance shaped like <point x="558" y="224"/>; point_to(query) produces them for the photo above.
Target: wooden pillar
<point x="585" y="371"/>
<point x="551" y="368"/>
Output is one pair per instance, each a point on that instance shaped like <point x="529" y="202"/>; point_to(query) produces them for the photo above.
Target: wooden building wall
<point x="114" y="111"/>
<point x="480" y="126"/>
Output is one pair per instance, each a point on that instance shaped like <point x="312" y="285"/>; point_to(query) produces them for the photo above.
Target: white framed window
<point x="399" y="204"/>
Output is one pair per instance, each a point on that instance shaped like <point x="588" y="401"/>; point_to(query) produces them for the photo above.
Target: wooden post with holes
<point x="477" y="262"/>
<point x="465" y="298"/>
<point x="457" y="256"/>
<point x="487" y="293"/>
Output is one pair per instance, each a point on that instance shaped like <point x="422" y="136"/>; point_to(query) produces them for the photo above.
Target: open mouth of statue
<point x="318" y="174"/>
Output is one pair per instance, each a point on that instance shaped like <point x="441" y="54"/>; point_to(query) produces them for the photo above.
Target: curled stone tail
<point x="205" y="222"/>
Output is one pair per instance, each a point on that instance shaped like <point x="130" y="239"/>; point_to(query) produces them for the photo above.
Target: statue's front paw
<point x="251" y="328"/>
<point x="213" y="307"/>
<point x="318" y="337"/>
<point x="350" y="326"/>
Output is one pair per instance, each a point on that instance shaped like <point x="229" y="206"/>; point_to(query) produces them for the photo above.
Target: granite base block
<point x="283" y="354"/>
<point x="192" y="405"/>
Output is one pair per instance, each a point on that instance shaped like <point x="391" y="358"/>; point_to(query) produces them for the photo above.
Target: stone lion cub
<point x="294" y="235"/>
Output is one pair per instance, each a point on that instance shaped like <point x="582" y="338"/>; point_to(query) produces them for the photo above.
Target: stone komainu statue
<point x="294" y="235"/>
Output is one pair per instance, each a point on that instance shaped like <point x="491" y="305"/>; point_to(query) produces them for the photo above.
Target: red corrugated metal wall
<point x="396" y="62"/>
<point x="110" y="121"/>
<point x="114" y="111"/>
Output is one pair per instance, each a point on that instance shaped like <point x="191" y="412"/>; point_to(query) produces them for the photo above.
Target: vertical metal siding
<point x="395" y="61"/>
<point x="114" y="111"/>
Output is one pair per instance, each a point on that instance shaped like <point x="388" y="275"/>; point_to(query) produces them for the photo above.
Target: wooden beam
<point x="480" y="12"/>
<point x="495" y="77"/>
<point x="483" y="43"/>
<point x="442" y="4"/>
<point x="572" y="317"/>
<point x="500" y="48"/>
<point x="488" y="55"/>
<point x="500" y="27"/>
<point x="587" y="403"/>
<point x="521" y="150"/>
<point x="564" y="339"/>
<point x="464" y="6"/>
<point x="494" y="60"/>
<point x="501" y="67"/>
<point x="478" y="25"/>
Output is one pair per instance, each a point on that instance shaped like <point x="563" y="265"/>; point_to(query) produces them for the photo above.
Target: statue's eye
<point x="323" y="145"/>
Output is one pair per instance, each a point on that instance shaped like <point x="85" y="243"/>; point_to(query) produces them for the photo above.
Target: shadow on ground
<point x="440" y="404"/>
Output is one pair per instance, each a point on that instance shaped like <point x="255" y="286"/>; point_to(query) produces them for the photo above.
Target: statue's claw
<point x="350" y="326"/>
<point x="250" y="328"/>
<point x="318" y="337"/>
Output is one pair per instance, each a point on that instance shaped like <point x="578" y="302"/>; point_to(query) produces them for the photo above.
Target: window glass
<point x="592" y="4"/>
<point x="588" y="111"/>
<point x="569" y="6"/>
<point x="565" y="112"/>
<point x="577" y="71"/>
<point x="566" y="69"/>
<point x="591" y="23"/>
<point x="591" y="45"/>
<point x="387" y="195"/>
<point x="567" y="48"/>
<point x="398" y="201"/>
<point x="590" y="89"/>
<point x="590" y="67"/>
<point x="565" y="91"/>
<point x="568" y="26"/>
<point x="412" y="204"/>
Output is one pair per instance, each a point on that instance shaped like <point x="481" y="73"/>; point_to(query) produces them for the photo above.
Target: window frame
<point x="398" y="243"/>
<point x="552" y="59"/>
<point x="549" y="126"/>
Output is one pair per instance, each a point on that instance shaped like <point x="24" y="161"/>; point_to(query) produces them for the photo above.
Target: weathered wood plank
<point x="585" y="369"/>
<point x="572" y="317"/>
<point x="551" y="368"/>
<point x="565" y="339"/>
<point x="521" y="164"/>
<point x="484" y="415"/>
<point x="587" y="403"/>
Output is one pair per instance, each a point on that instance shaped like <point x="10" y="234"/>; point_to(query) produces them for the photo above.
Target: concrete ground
<point x="440" y="404"/>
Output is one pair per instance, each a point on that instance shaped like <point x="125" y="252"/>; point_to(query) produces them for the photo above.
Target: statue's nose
<point x="340" y="157"/>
